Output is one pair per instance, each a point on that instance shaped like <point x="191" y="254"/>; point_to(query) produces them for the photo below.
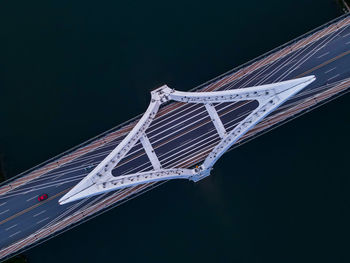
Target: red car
<point x="42" y="197"/>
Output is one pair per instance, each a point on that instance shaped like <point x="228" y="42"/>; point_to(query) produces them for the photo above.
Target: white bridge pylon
<point x="100" y="180"/>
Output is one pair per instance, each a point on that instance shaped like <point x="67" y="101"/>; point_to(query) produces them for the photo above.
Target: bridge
<point x="268" y="98"/>
<point x="180" y="136"/>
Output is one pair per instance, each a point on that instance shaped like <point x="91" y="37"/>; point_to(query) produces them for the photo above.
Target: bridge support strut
<point x="216" y="120"/>
<point x="150" y="152"/>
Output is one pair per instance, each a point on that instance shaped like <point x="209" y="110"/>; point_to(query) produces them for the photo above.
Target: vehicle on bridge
<point x="42" y="197"/>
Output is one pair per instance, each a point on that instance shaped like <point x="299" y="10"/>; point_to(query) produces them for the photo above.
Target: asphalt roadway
<point x="177" y="137"/>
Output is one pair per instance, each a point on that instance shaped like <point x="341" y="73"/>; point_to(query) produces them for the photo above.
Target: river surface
<point x="70" y="70"/>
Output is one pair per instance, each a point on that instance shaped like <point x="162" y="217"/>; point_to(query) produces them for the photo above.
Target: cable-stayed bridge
<point x="178" y="137"/>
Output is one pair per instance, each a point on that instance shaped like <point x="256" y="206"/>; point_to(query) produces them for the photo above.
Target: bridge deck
<point x="181" y="135"/>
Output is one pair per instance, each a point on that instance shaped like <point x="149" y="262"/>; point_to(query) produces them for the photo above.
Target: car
<point x="42" y="197"/>
<point x="89" y="168"/>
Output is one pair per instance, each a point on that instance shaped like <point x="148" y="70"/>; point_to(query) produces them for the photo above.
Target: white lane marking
<point x="184" y="142"/>
<point x="31" y="198"/>
<point x="39" y="213"/>
<point x="15" y="233"/>
<point x="347" y="43"/>
<point x="59" y="185"/>
<point x="42" y="220"/>
<point x="10" y="227"/>
<point x="31" y="190"/>
<point x="330" y="70"/>
<point x="333" y="77"/>
<point x="88" y="162"/>
<point x="58" y="176"/>
<point x="324" y="54"/>
<point x="3" y="203"/>
<point x="346" y="35"/>
<point x="3" y="212"/>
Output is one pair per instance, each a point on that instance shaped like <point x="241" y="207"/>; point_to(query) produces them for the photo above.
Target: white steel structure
<point x="101" y="180"/>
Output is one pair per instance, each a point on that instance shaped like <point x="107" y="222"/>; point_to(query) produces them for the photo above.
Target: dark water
<point x="72" y="69"/>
